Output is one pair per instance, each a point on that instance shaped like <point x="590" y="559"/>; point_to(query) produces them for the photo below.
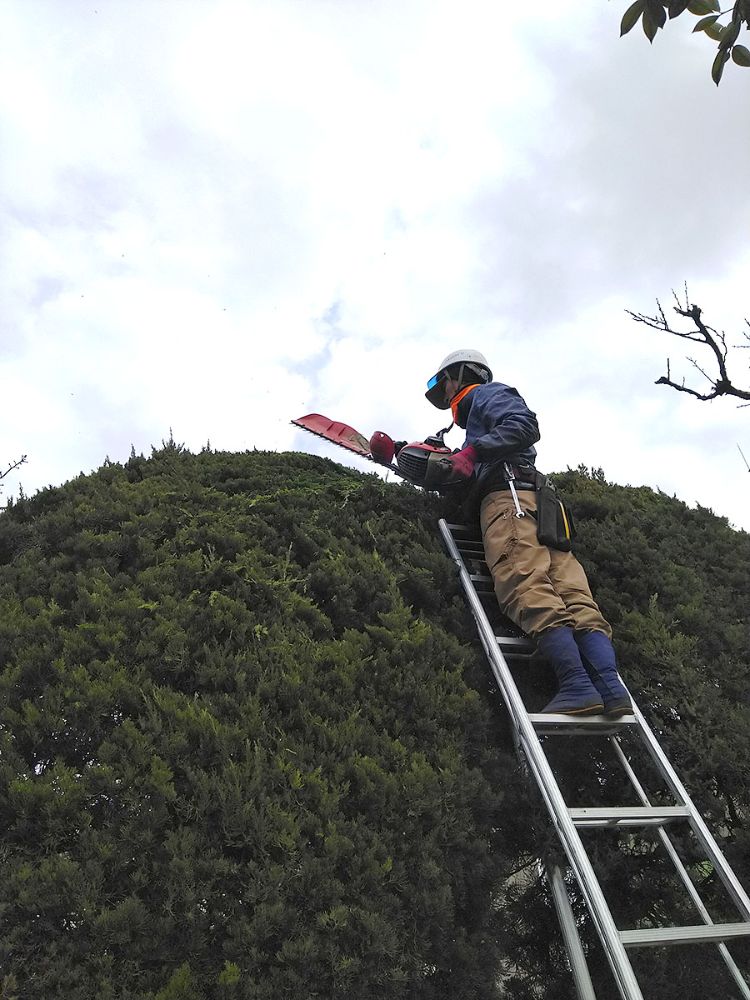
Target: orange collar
<point x="458" y="397"/>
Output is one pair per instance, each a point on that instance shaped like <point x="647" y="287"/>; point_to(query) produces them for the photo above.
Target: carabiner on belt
<point x="510" y="477"/>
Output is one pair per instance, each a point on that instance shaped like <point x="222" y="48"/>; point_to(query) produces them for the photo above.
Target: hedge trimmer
<point x="421" y="463"/>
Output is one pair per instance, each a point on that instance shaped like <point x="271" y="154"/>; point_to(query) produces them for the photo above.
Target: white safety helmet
<point x="465" y="366"/>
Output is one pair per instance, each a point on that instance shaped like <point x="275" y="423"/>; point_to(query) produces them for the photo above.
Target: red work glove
<point x="463" y="461"/>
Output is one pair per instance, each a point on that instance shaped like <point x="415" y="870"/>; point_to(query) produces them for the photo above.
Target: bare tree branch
<point x="11" y="468"/>
<point x="715" y="341"/>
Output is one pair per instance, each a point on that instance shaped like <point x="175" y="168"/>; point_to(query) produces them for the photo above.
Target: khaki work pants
<point x="536" y="587"/>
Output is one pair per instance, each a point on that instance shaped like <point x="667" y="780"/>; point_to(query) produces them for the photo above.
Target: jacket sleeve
<point x="501" y="424"/>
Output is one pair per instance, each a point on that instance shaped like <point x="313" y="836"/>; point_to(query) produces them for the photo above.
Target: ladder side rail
<point x="614" y="948"/>
<point x="702" y="832"/>
<point x="660" y="937"/>
<point x="682" y="871"/>
<point x="576" y="956"/>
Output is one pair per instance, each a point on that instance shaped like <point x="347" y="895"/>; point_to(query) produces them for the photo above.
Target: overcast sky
<point x="215" y="217"/>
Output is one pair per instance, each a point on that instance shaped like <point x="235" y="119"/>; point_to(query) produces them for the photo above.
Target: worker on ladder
<point x="539" y="584"/>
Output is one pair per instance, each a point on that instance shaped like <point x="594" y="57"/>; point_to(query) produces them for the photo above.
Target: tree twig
<point x="715" y="341"/>
<point x="12" y="466"/>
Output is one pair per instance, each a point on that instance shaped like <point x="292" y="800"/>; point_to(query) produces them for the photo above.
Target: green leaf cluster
<point x="653" y="15"/>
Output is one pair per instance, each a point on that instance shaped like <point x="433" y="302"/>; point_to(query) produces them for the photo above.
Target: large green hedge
<point x="249" y="747"/>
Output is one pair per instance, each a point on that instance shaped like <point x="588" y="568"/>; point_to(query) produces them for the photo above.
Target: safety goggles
<point x="436" y="391"/>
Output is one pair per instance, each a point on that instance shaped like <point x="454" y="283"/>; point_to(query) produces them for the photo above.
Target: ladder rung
<point x="463" y="533"/>
<point x="651" y="937"/>
<point x="549" y="724"/>
<point x="519" y="642"/>
<point x="628" y="815"/>
<point x="517" y="656"/>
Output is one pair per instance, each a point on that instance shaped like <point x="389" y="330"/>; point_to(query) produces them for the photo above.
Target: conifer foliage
<point x="249" y="748"/>
<point x="240" y="756"/>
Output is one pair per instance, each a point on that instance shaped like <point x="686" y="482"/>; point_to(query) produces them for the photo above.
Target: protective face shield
<point x="436" y="390"/>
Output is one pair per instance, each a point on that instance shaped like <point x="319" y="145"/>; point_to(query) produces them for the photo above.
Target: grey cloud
<point x="635" y="182"/>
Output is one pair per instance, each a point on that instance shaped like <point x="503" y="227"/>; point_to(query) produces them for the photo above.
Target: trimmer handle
<point x="382" y="447"/>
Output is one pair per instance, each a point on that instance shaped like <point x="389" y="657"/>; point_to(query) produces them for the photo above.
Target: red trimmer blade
<point x="336" y="432"/>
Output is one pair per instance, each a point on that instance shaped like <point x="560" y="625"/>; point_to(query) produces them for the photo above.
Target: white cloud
<point x="218" y="217"/>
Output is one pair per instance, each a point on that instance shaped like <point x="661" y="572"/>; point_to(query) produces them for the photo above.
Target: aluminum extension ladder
<point x="465" y="548"/>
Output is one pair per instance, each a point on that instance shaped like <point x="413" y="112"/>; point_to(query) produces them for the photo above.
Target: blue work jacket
<point x="500" y="426"/>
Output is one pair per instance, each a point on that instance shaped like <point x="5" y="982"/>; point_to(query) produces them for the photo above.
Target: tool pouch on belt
<point x="554" y="523"/>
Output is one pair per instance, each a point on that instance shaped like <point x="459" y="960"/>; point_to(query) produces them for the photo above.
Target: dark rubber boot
<point x="577" y="695"/>
<point x="598" y="657"/>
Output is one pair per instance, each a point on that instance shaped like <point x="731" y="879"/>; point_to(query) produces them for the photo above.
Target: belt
<point x="498" y="481"/>
<point x="518" y="485"/>
<point x="523" y="472"/>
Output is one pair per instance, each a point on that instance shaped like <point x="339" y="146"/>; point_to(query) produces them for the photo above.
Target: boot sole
<point x="587" y="710"/>
<point x="591" y="710"/>
<point x="618" y="710"/>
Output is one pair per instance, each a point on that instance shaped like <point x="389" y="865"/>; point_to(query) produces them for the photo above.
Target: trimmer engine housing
<point x="425" y="463"/>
